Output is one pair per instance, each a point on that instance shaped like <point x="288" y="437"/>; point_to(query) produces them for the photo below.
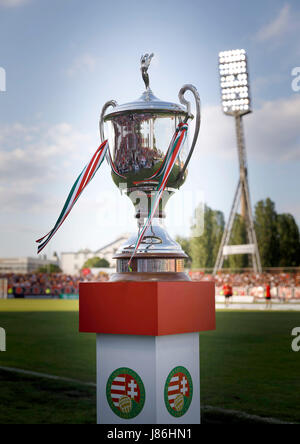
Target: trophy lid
<point x="148" y="102"/>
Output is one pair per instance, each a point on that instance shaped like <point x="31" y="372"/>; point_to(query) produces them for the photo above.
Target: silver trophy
<point x="139" y="135"/>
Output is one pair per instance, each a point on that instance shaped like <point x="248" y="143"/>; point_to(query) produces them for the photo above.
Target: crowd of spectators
<point x="136" y="149"/>
<point x="52" y="284"/>
<point x="250" y="278"/>
<point x="282" y="285"/>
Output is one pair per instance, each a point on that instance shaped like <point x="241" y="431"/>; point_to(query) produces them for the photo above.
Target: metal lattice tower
<point x="236" y="103"/>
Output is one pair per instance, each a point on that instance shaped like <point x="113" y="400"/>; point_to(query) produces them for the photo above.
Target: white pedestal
<point x="135" y="372"/>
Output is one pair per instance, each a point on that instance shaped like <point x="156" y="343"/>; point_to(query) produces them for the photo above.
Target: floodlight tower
<point x="236" y="103"/>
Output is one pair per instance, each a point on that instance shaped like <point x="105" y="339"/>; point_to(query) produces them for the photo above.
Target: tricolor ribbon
<point x="81" y="182"/>
<point x="160" y="177"/>
<point x="163" y="172"/>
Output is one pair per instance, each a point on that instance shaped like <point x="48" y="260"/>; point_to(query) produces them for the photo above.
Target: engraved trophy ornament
<point x="139" y="135"/>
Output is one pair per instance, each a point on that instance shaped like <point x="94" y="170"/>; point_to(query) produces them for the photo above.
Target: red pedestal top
<point x="146" y="308"/>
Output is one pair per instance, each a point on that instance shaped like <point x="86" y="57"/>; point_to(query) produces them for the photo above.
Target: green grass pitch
<point x="247" y="364"/>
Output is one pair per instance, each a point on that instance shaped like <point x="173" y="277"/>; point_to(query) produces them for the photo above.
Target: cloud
<point x="83" y="63"/>
<point x="36" y="157"/>
<point x="12" y="3"/>
<point x="17" y="199"/>
<point x="279" y="26"/>
<point x="272" y="132"/>
<point x="16" y="227"/>
<point x="261" y="82"/>
<point x="38" y="163"/>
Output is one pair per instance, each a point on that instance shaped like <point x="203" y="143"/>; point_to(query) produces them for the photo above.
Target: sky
<point x="64" y="59"/>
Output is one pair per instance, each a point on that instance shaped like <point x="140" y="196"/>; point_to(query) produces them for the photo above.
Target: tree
<point x="238" y="237"/>
<point x="51" y="268"/>
<point x="185" y="244"/>
<point x="96" y="262"/>
<point x="267" y="232"/>
<point x="289" y="241"/>
<point x="277" y="235"/>
<point x="204" y="249"/>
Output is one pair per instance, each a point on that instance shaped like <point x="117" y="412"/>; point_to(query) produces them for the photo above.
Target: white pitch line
<point x="230" y="413"/>
<point x="276" y="307"/>
<point x="46" y="376"/>
<point x="237" y="414"/>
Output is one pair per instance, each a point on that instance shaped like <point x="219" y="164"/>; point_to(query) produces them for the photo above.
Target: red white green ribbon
<point x="164" y="172"/>
<point x="160" y="177"/>
<point x="81" y="182"/>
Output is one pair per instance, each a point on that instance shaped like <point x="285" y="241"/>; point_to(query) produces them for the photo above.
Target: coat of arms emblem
<point x="178" y="391"/>
<point x="125" y="393"/>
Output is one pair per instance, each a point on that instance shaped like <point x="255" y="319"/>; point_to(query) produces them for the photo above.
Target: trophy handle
<point x="112" y="103"/>
<point x="190" y="116"/>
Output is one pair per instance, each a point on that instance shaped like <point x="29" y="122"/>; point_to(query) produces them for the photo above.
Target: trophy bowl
<point x="139" y="135"/>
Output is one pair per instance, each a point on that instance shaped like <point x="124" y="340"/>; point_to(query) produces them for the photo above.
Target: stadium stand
<point x="284" y="286"/>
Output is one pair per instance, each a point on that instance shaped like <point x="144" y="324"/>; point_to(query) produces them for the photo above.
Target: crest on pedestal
<point x="125" y="393"/>
<point x="178" y="391"/>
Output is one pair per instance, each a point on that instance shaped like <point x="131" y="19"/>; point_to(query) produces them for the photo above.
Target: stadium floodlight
<point x="236" y="102"/>
<point x="234" y="82"/>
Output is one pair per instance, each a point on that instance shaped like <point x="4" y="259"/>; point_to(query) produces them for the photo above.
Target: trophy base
<point x="161" y="277"/>
<point x="150" y="268"/>
<point x="158" y="258"/>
